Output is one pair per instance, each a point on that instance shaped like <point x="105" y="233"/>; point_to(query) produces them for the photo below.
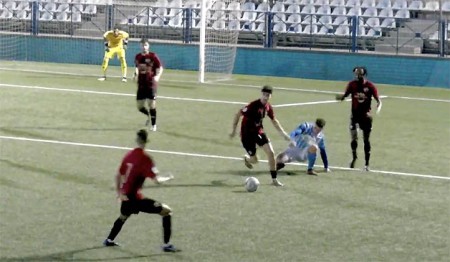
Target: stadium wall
<point x="398" y="70"/>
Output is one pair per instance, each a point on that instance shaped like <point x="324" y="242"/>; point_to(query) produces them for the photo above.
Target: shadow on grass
<point x="27" y="130"/>
<point x="247" y="173"/>
<point x="221" y="141"/>
<point x="69" y="255"/>
<point x="214" y="183"/>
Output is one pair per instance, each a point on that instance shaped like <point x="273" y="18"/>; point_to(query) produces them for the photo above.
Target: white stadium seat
<point x="308" y="9"/>
<point x="339" y="10"/>
<point x="325" y="30"/>
<point x="354" y="11"/>
<point x="294" y="19"/>
<point x="402" y="13"/>
<point x="342" y="30"/>
<point x="280" y="27"/>
<point x="295" y="29"/>
<point x="23" y="5"/>
<point x="5" y="13"/>
<point x="337" y="3"/>
<point x="373" y="33"/>
<point x="10" y="5"/>
<point x="23" y="15"/>
<point x="340" y="20"/>
<point x="261" y="27"/>
<point x="46" y="16"/>
<point x="322" y="2"/>
<point x="373" y="22"/>
<point x="234" y="25"/>
<point x="293" y="9"/>
<point x="353" y="3"/>
<point x="324" y="10"/>
<point x="306" y="2"/>
<point x="325" y="20"/>
<point x="176" y="21"/>
<point x="384" y="4"/>
<point x="48" y="6"/>
<point x="62" y="17"/>
<point x="248" y="6"/>
<point x="432" y="6"/>
<point x="310" y="29"/>
<point x="75" y="17"/>
<point x="388" y="23"/>
<point x="248" y="16"/>
<point x="371" y="12"/>
<point x="368" y="3"/>
<point x="400" y="4"/>
<point x="388" y="12"/>
<point x="278" y="7"/>
<point x="446" y="6"/>
<point x="309" y="20"/>
<point x="279" y="17"/>
<point x="416" y="5"/>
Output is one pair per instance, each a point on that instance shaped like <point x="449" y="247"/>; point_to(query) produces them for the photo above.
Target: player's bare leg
<point x="268" y="149"/>
<point x="281" y="160"/>
<point x="354" y="146"/>
<point x="152" y="113"/>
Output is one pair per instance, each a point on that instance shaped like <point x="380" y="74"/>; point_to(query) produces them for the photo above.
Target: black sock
<point x="280" y="166"/>
<point x="367" y="151"/>
<point x="153" y="116"/>
<point x="354" y="146"/>
<point x="116" y="229"/>
<point x="273" y="174"/>
<point x="144" y="111"/>
<point x="167" y="228"/>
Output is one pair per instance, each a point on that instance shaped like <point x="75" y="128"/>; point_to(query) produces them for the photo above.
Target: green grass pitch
<point x="63" y="134"/>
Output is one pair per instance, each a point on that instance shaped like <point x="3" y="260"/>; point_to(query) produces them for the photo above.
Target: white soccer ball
<point x="251" y="184"/>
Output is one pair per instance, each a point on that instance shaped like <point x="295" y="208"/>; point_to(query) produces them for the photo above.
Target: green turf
<point x="58" y="202"/>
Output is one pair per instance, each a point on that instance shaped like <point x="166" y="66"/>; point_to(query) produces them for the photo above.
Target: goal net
<point x="48" y="30"/>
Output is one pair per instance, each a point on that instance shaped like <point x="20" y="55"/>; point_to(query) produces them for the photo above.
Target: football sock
<point x="153" y="116"/>
<point x="167" y="228"/>
<point x="311" y="160"/>
<point x="367" y="151"/>
<point x="143" y="110"/>
<point x="105" y="65"/>
<point x="273" y="174"/>
<point x="123" y="66"/>
<point x="280" y="166"/>
<point x="354" y="146"/>
<point x="116" y="229"/>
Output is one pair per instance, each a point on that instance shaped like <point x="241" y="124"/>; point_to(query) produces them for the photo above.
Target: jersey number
<point x="123" y="179"/>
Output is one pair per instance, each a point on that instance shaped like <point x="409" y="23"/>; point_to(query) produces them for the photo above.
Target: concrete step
<point x="383" y="48"/>
<point x="393" y="41"/>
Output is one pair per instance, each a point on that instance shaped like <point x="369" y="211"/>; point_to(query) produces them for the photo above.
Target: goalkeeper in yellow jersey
<point x="116" y="42"/>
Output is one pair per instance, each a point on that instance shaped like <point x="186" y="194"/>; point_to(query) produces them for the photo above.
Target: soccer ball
<point x="251" y="184"/>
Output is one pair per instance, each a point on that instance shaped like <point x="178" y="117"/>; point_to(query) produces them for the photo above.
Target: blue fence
<point x="399" y="70"/>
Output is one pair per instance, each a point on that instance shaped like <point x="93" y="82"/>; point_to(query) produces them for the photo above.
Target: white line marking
<point x="224" y="84"/>
<point x="204" y="155"/>
<point x="121" y="94"/>
<point x="316" y="102"/>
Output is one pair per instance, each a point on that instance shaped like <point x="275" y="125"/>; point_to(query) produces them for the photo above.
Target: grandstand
<point x="392" y="26"/>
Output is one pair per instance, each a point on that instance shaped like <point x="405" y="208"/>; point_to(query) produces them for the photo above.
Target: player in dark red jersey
<point x="148" y="71"/>
<point x="361" y="91"/>
<point x="252" y="131"/>
<point x="136" y="166"/>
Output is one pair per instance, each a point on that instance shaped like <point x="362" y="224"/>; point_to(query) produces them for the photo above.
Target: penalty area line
<point x="205" y="156"/>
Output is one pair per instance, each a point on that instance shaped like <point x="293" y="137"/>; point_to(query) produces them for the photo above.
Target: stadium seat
<point x="219" y="5"/>
<point x="295" y="29"/>
<point x="162" y="3"/>
<point x="371" y="12"/>
<point x="361" y="31"/>
<point x="339" y="10"/>
<point x="248" y="16"/>
<point x="248" y="6"/>
<point x="446" y="6"/>
<point x="278" y="7"/>
<point x="75" y="17"/>
<point x="432" y="6"/>
<point x="416" y="5"/>
<point x="248" y="26"/>
<point x="63" y="8"/>
<point x="159" y="21"/>
<point x="218" y="15"/>
<point x="10" y="5"/>
<point x="23" y="15"/>
<point x="279" y="17"/>
<point x="78" y="8"/>
<point x="176" y="21"/>
<point x="373" y="33"/>
<point x="293" y="9"/>
<point x="218" y="25"/>
<point x="23" y="5"/>
<point x="234" y="15"/>
<point x="368" y="3"/>
<point x="160" y="12"/>
<point x="310" y="29"/>
<point x="354" y="11"/>
<point x="325" y="20"/>
<point x="388" y="12"/>
<point x="48" y="6"/>
<point x="324" y="10"/>
<point x="308" y="9"/>
<point x="309" y="20"/>
<point x="322" y="2"/>
<point x="263" y="7"/>
<point x="400" y="4"/>
<point x="261" y="27"/>
<point x="342" y="30"/>
<point x="280" y="27"/>
<point x="143" y="20"/>
<point x="294" y="19"/>
<point x="46" y="16"/>
<point x="234" y="25"/>
<point x="5" y="13"/>
<point x="373" y="22"/>
<point x="388" y="23"/>
<point x="176" y="3"/>
<point x="191" y="4"/>
<point x="306" y="2"/>
<point x="325" y="30"/>
<point x="341" y="20"/>
<point x="353" y="3"/>
<point x="384" y="4"/>
<point x="337" y="3"/>
<point x="402" y="13"/>
<point x="62" y="17"/>
<point x="292" y="2"/>
<point x="234" y="6"/>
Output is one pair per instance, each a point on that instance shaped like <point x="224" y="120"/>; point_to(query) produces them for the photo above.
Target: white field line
<point x="121" y="94"/>
<point x="206" y="156"/>
<point x="225" y="84"/>
<point x="315" y="103"/>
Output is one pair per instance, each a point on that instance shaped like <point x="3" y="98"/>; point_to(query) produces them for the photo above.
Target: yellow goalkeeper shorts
<point x="119" y="51"/>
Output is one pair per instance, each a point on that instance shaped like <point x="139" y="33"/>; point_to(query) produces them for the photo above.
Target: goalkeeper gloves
<point x="125" y="44"/>
<point x="106" y="47"/>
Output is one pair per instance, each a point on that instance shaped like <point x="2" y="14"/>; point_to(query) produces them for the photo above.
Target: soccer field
<point x="63" y="134"/>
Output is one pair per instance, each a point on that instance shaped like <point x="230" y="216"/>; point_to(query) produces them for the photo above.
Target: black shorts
<point x="147" y="92"/>
<point x="364" y="122"/>
<point x="249" y="142"/>
<point x="134" y="206"/>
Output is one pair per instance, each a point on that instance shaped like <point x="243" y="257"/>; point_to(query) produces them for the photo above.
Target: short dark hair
<point x="267" y="89"/>
<point x="360" y="67"/>
<point x="116" y="27"/>
<point x="144" y="40"/>
<point x="142" y="135"/>
<point x="320" y="122"/>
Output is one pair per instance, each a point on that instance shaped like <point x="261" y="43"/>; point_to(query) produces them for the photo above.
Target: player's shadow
<point x="173" y="184"/>
<point x="27" y="130"/>
<point x="221" y="141"/>
<point x="255" y="173"/>
<point x="123" y="254"/>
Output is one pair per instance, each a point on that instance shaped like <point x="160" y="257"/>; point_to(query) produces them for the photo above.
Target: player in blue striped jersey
<point x="306" y="140"/>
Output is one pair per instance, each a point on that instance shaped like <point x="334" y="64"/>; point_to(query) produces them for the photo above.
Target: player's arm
<point x="159" y="68"/>
<point x="120" y="195"/>
<point x="377" y="98"/>
<point x="280" y="129"/>
<point x="341" y="97"/>
<point x="236" y="118"/>
<point x="106" y="43"/>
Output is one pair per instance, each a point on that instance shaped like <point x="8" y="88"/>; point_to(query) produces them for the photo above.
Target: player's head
<point x="116" y="30"/>
<point x="142" y="137"/>
<point x="266" y="92"/>
<point x="319" y="125"/>
<point x="360" y="72"/>
<point x="145" y="45"/>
